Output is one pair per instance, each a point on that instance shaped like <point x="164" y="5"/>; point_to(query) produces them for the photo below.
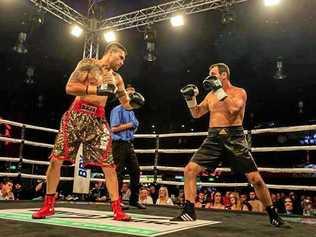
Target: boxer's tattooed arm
<point x="83" y="68"/>
<point x="77" y="85"/>
<point x="78" y="76"/>
<point x="87" y="64"/>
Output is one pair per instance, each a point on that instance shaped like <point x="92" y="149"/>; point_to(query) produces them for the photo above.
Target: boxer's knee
<point x="54" y="166"/>
<point x="192" y="170"/>
<point x="255" y="179"/>
<point x="55" y="163"/>
<point x="109" y="171"/>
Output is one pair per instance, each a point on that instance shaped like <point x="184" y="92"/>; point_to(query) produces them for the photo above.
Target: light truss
<point x="130" y="20"/>
<point x="61" y="10"/>
<point x="162" y="12"/>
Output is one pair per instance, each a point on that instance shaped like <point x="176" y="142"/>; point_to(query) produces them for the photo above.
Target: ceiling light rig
<point x="150" y="44"/>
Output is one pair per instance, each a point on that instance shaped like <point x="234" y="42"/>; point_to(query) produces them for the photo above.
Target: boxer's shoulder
<point x="237" y="90"/>
<point x="117" y="77"/>
<point x="88" y="61"/>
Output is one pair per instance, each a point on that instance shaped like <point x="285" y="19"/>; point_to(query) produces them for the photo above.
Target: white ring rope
<point x="26" y="142"/>
<point x="7" y="139"/>
<point x="194" y="134"/>
<point x="28" y="126"/>
<point x="10" y="159"/>
<point x="180" y="169"/>
<point x="285" y="148"/>
<point x="284" y="129"/>
<point x="145" y="151"/>
<point x="271" y="186"/>
<point x="145" y="136"/>
<point x="254" y="131"/>
<point x="176" y="151"/>
<point x="11" y="175"/>
<point x="261" y="169"/>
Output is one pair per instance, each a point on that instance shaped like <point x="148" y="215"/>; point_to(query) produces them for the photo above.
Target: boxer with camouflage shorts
<point x="92" y="82"/>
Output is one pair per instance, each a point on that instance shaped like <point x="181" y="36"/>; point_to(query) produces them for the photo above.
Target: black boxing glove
<point x="189" y="93"/>
<point x="212" y="83"/>
<point x="106" y="89"/>
<point x="136" y="100"/>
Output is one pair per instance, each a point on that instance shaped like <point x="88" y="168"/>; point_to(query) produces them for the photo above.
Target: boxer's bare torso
<point x="86" y="81"/>
<point x="220" y="116"/>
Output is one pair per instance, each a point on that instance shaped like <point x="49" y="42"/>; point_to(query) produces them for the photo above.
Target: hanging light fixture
<point x="150" y="44"/>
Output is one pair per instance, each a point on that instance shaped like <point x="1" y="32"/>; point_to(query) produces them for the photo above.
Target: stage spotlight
<point x="76" y="31"/>
<point x="177" y="20"/>
<point x="38" y="18"/>
<point x="228" y="16"/>
<point x="269" y="3"/>
<point x="150" y="41"/>
<point x="20" y="47"/>
<point x="29" y="80"/>
<point x="109" y="36"/>
<point x="279" y="75"/>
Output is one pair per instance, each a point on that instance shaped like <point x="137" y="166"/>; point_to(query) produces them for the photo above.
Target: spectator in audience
<point x="245" y="205"/>
<point x="314" y="202"/>
<point x="39" y="190"/>
<point x="217" y="202"/>
<point x="144" y="197"/>
<point x="297" y="207"/>
<point x="6" y="190"/>
<point x="288" y="203"/>
<point x="200" y="200"/>
<point x="307" y="206"/>
<point x="18" y="191"/>
<point x="235" y="204"/>
<point x="256" y="204"/>
<point x="163" y="197"/>
<point x="125" y="192"/>
<point x="180" y="199"/>
<point x="226" y="199"/>
<point x="153" y="193"/>
<point x="274" y="199"/>
<point x="98" y="192"/>
<point x="5" y="131"/>
<point x="279" y="203"/>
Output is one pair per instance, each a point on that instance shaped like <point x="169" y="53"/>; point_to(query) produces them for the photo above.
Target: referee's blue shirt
<point x="118" y="116"/>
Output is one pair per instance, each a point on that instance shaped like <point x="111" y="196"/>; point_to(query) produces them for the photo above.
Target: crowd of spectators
<point x="288" y="203"/>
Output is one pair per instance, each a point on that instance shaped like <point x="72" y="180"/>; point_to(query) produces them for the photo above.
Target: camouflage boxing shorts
<point x="84" y="123"/>
<point x="228" y="145"/>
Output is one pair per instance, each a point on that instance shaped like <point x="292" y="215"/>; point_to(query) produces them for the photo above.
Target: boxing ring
<point x="221" y="223"/>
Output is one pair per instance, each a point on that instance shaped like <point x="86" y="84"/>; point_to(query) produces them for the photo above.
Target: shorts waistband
<point x="226" y="130"/>
<point x="84" y="107"/>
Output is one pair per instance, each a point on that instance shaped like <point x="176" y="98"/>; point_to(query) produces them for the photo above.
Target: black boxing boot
<point x="188" y="213"/>
<point x="275" y="219"/>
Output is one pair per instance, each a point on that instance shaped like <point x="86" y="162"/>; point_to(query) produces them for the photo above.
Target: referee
<point x="123" y="125"/>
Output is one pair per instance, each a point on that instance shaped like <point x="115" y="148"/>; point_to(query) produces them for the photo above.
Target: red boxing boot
<point x="47" y="209"/>
<point x="119" y="215"/>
